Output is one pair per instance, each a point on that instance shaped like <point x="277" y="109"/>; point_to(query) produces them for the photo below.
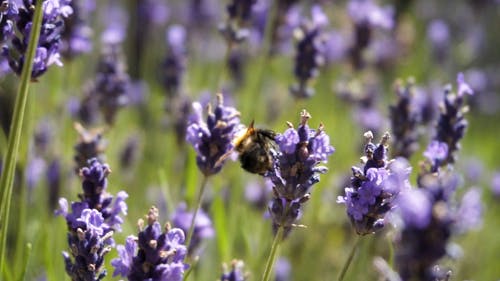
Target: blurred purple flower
<point x="110" y="89"/>
<point x="235" y="29"/>
<point x="53" y="176"/>
<point x="236" y="273"/>
<point x="367" y="12"/>
<point x="462" y="86"/>
<point x="310" y="52"/>
<point x="283" y="271"/>
<point x="366" y="15"/>
<point x="115" y="21"/>
<point x="174" y="65"/>
<point x="257" y="193"/>
<point x="436" y="153"/>
<point x="77" y="34"/>
<point x="405" y="120"/>
<point x="203" y="229"/>
<point x="470" y="212"/>
<point x="452" y="123"/>
<point x="438" y="34"/>
<point x="495" y="184"/>
<point x="34" y="171"/>
<point x="8" y="15"/>
<point x="415" y="208"/>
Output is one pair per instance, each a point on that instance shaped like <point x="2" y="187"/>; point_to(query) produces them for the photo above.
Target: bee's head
<point x="244" y="135"/>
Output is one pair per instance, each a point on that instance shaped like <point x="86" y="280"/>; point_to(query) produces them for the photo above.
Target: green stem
<point x="349" y="259"/>
<point x="198" y="206"/>
<point x="274" y="254"/>
<point x="252" y="96"/>
<point x="7" y="178"/>
<point x="224" y="68"/>
<point x="26" y="262"/>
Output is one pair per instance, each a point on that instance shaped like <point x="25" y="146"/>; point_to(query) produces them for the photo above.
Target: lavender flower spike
<point x="160" y="254"/>
<point x="95" y="196"/>
<point x="236" y="273"/>
<point x="374" y="187"/>
<point x="296" y="169"/>
<point x="405" y="118"/>
<point x="235" y="29"/>
<point x="452" y="123"/>
<point x="310" y="53"/>
<point x="213" y="138"/>
<point x="47" y="52"/>
<point x="91" y="223"/>
<point x="89" y="239"/>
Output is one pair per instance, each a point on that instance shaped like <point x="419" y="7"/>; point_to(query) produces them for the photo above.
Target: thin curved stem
<point x="198" y="206"/>
<point x="349" y="259"/>
<point x="7" y="178"/>
<point x="273" y="254"/>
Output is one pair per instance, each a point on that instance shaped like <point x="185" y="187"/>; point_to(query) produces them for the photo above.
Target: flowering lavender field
<point x="249" y="140"/>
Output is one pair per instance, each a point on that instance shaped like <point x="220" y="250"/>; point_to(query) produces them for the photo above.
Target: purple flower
<point x="283" y="269"/>
<point x="95" y="196"/>
<point x="296" y="169"/>
<point x="452" y="123"/>
<point x="430" y="217"/>
<point x="436" y="153"/>
<point x="174" y="64"/>
<point x="405" y="118"/>
<point x="126" y="255"/>
<point x="495" y="184"/>
<point x="236" y="273"/>
<point x="462" y="86"/>
<point x="212" y="139"/>
<point x="47" y="51"/>
<point x="89" y="242"/>
<point x="53" y="176"/>
<point x="8" y="16"/>
<point x="77" y="35"/>
<point x="111" y="83"/>
<point x="375" y="187"/>
<point x="154" y="254"/>
<point x="310" y="52"/>
<point x="415" y="208"/>
<point x="235" y="29"/>
<point x="367" y="12"/>
<point x="366" y="16"/>
<point x="438" y="34"/>
<point x="203" y="229"/>
<point x="34" y="171"/>
<point x="470" y="213"/>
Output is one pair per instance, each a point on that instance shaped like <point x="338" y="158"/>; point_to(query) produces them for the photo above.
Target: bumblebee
<point x="256" y="149"/>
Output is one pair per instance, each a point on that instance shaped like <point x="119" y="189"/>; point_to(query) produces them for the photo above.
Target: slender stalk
<point x="262" y="63"/>
<point x="349" y="259"/>
<point x="198" y="206"/>
<point x="26" y="259"/>
<point x="7" y="178"/>
<point x="273" y="254"/>
<point x="224" y="70"/>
